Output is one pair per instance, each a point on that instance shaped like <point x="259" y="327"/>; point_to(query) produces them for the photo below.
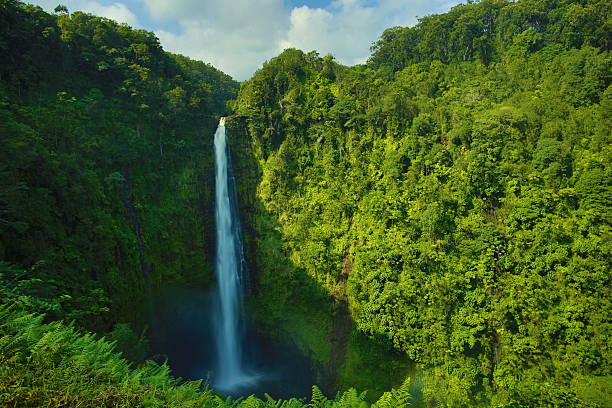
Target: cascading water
<point x="187" y="321"/>
<point x="231" y="373"/>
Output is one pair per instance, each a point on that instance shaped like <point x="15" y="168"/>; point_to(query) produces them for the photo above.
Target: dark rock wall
<point x="248" y="176"/>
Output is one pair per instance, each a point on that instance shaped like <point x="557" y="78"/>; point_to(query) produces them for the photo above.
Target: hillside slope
<point x="106" y="166"/>
<point x="456" y="190"/>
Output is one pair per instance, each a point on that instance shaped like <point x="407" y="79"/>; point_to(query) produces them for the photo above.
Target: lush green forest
<point x="105" y="171"/>
<point x="53" y="365"/>
<point x="456" y="191"/>
<point x="104" y="177"/>
<point x="434" y="221"/>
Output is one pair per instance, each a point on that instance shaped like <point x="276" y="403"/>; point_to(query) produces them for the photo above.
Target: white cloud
<point x="310" y="29"/>
<point x="115" y="11"/>
<point x="237" y="36"/>
<point x="345" y="31"/>
<point x="234" y="36"/>
<point x="348" y="27"/>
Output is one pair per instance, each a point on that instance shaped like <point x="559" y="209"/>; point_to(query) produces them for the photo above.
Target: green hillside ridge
<point x="456" y="190"/>
<point x="106" y="185"/>
<point x="441" y="213"/>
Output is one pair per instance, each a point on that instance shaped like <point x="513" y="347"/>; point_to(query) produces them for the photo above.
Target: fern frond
<point x="396" y="398"/>
<point x="317" y="400"/>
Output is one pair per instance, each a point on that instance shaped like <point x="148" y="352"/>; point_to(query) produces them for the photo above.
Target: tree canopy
<point x="457" y="190"/>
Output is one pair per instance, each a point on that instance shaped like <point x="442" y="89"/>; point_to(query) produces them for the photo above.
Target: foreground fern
<point x="54" y="365"/>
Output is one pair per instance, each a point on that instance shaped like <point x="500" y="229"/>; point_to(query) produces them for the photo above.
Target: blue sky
<point x="237" y="36"/>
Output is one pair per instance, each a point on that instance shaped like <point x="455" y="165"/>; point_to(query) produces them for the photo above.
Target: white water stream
<point x="231" y="372"/>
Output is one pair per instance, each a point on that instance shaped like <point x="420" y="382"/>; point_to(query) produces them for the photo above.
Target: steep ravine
<point x="289" y="306"/>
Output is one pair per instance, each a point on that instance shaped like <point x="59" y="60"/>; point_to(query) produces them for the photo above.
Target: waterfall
<point x="231" y="373"/>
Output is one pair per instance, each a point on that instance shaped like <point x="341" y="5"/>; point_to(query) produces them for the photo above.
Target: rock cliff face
<point x="247" y="177"/>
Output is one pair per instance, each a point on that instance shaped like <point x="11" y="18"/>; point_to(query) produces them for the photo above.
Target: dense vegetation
<point x="451" y="199"/>
<point x="53" y="365"/>
<point x="105" y="187"/>
<point x="456" y="191"/>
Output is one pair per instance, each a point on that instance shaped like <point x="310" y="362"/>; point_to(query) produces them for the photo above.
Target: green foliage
<point x="318" y="400"/>
<point x="60" y="8"/>
<point x="54" y="365"/>
<point x="455" y="191"/>
<point x="133" y="346"/>
<point x="105" y="192"/>
<point x="399" y="398"/>
<point x="487" y="29"/>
